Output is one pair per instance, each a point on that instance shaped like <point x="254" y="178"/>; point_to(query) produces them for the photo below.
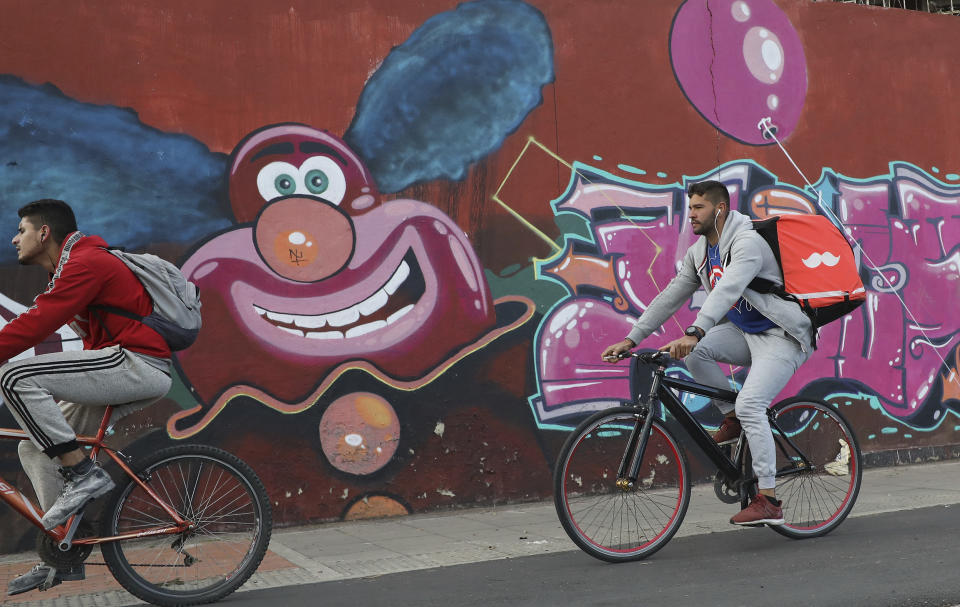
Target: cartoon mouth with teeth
<point x="321" y="272"/>
<point x="385" y="307"/>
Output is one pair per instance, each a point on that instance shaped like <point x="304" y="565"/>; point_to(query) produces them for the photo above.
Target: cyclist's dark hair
<point x="55" y="214"/>
<point x="714" y="191"/>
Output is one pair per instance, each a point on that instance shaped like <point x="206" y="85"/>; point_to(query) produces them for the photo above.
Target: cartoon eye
<point x="277" y="179"/>
<point x="323" y="177"/>
<point x="285" y="184"/>
<point x="317" y="182"/>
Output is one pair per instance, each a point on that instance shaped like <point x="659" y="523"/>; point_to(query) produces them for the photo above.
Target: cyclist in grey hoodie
<point x="735" y="325"/>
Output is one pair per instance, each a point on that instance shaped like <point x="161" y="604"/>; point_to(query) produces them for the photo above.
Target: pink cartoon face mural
<point x="320" y="272"/>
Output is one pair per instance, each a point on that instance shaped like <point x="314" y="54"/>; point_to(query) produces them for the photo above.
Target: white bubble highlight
<point x="740" y="11"/>
<point x="772" y="54"/>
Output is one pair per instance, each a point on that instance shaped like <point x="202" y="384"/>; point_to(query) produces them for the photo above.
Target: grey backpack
<point x="176" y="300"/>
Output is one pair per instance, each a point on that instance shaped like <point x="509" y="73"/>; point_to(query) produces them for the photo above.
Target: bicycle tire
<point x="816" y="501"/>
<point x="641" y="520"/>
<point x="182" y="476"/>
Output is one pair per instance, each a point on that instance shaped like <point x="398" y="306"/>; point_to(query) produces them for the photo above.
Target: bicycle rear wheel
<point x="816" y="499"/>
<point x="216" y="491"/>
<point x="605" y="521"/>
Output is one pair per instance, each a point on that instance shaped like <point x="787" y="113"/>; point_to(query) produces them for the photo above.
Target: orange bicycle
<point x="190" y="525"/>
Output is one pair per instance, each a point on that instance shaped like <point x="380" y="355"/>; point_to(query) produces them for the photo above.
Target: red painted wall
<point x="880" y="89"/>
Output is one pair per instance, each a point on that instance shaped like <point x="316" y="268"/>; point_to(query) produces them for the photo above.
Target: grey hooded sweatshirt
<point x="749" y="256"/>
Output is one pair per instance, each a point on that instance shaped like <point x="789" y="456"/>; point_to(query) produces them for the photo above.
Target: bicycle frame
<point x="22" y="505"/>
<point x="660" y="390"/>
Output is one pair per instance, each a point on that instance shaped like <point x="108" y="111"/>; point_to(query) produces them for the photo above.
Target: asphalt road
<point x="896" y="559"/>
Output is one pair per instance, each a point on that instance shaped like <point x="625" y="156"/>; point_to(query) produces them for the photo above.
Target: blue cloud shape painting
<point x="126" y="181"/>
<point x="451" y="94"/>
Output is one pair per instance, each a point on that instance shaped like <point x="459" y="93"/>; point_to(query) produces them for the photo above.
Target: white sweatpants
<point x="773" y="358"/>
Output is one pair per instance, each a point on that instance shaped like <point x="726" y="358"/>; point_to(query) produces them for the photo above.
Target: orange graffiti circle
<point x="770" y="202"/>
<point x="296" y="248"/>
<point x="375" y="506"/>
<point x="359" y="433"/>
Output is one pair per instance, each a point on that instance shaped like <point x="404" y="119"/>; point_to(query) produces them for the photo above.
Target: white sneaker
<point x="39" y="576"/>
<point x="77" y="492"/>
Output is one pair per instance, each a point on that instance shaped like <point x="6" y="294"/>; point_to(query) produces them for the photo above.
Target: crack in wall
<point x="713" y="82"/>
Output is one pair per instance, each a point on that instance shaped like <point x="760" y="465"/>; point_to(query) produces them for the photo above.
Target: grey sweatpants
<point x="773" y="358"/>
<point x="55" y="396"/>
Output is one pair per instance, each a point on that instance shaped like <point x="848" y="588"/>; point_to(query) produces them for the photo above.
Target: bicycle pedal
<point x="51" y="581"/>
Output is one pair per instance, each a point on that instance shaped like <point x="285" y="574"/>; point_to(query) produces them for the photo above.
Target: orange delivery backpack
<point x="818" y="265"/>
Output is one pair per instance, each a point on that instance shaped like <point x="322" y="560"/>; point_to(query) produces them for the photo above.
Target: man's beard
<point x="703" y="228"/>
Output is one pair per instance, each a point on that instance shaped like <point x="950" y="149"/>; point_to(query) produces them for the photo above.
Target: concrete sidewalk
<point x="339" y="551"/>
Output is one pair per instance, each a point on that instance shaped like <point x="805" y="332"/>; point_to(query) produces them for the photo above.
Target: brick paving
<point x="98" y="581"/>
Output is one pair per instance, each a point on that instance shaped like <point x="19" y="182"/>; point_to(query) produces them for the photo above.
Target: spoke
<point x="153" y="518"/>
<point x="167" y="493"/>
<point x="182" y="481"/>
<point x="216" y="486"/>
<point x="227" y="505"/>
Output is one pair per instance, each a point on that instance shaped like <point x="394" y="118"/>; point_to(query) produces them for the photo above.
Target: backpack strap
<point x="114" y="309"/>
<point x="117" y="311"/>
<point x="766" y="286"/>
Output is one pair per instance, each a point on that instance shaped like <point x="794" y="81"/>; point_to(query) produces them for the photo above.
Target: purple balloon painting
<point x="738" y="62"/>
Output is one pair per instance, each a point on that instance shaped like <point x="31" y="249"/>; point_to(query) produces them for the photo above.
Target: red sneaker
<point x="729" y="430"/>
<point x="762" y="510"/>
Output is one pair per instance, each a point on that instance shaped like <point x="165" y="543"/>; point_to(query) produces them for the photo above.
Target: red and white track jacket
<point x="86" y="274"/>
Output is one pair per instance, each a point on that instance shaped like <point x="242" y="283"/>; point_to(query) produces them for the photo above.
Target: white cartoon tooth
<point x="287" y="318"/>
<point x="324" y="335"/>
<point x="397" y="279"/>
<point x="310" y="322"/>
<point x="399" y="314"/>
<point x="366" y="328"/>
<point x="344" y="317"/>
<point x="373" y="303"/>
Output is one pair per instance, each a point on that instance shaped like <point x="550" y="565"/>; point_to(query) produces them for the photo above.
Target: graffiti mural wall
<point x="416" y="225"/>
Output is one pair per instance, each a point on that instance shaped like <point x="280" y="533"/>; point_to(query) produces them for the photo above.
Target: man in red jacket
<point x="54" y="396"/>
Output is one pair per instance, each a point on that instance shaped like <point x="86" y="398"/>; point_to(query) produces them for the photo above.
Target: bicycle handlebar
<point x="655" y="357"/>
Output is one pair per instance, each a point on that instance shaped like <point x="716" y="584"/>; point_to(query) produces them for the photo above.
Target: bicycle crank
<point x="51" y="554"/>
<point x="725" y="493"/>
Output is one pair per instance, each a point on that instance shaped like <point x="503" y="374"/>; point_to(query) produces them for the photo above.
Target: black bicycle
<point x="622" y="482"/>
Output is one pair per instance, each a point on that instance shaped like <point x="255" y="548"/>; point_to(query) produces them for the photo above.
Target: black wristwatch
<point x="694" y="332"/>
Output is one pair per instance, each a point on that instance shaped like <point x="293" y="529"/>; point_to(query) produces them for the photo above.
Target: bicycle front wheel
<point x="816" y="498"/>
<point x="605" y="521"/>
<point x="209" y="487"/>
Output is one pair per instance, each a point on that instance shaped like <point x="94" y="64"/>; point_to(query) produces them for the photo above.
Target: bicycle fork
<point x="630" y="464"/>
<point x="636" y="446"/>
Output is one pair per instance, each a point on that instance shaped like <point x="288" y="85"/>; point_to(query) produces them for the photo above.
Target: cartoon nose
<point x="304" y="239"/>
